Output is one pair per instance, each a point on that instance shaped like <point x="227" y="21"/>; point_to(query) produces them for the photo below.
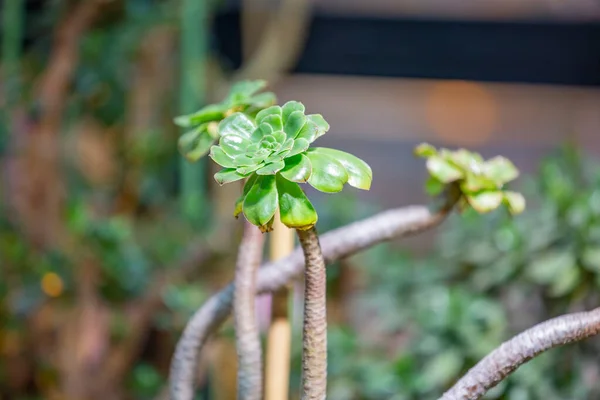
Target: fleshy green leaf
<point x="228" y="175"/>
<point x="260" y="204"/>
<point x="297" y="168"/>
<point x="328" y="175"/>
<point x="245" y="89"/>
<point x="442" y="170"/>
<point x="240" y="201"/>
<point x="300" y="146"/>
<point x="249" y="169"/>
<point x="275" y="121"/>
<point x="319" y="121"/>
<point x="474" y="183"/>
<point x="294" y="124"/>
<point x="273" y="110"/>
<point x="195" y="144"/>
<point x="467" y="160"/>
<point x="515" y="202"/>
<point x="279" y="137"/>
<point x="220" y="157"/>
<point x="425" y="150"/>
<point x="263" y="100"/>
<point x="433" y="187"/>
<point x="234" y="145"/>
<point x="237" y="124"/>
<point x="359" y="172"/>
<point x="295" y="209"/>
<point x="290" y="107"/>
<point x="500" y="170"/>
<point x="486" y="201"/>
<point x="287" y="145"/>
<point x="212" y="112"/>
<point x="308" y="132"/>
<point x="244" y="160"/>
<point x="272" y="168"/>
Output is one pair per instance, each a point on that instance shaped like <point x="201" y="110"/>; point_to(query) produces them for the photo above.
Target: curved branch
<point x="314" y="327"/>
<point x="517" y="351"/>
<point x="335" y="244"/>
<point x="249" y="351"/>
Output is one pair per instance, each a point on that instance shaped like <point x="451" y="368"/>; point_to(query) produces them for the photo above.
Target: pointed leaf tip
<point x="228" y="175"/>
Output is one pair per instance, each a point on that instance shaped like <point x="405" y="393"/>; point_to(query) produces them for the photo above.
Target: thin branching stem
<point x="335" y="244"/>
<point x="249" y="350"/>
<point x="501" y="362"/>
<point x="314" y="328"/>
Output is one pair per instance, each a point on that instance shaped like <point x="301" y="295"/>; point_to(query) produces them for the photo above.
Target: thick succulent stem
<point x="314" y="329"/>
<point x="335" y="244"/>
<point x="249" y="350"/>
<point x="517" y="351"/>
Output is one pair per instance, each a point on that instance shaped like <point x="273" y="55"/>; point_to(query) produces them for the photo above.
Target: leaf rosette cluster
<point x="272" y="151"/>
<point x="481" y="182"/>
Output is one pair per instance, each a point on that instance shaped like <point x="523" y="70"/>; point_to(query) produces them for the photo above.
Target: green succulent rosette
<point x="272" y="152"/>
<point x="245" y="96"/>
<point x="481" y="182"/>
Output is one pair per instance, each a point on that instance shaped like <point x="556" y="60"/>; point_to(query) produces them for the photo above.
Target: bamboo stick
<point x="279" y="337"/>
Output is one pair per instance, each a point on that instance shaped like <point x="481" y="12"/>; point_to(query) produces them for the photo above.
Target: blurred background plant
<point x="102" y="263"/>
<point x="432" y="317"/>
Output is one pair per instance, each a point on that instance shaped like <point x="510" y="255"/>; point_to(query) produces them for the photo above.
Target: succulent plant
<point x="480" y="181"/>
<point x="272" y="152"/>
<point x="243" y="97"/>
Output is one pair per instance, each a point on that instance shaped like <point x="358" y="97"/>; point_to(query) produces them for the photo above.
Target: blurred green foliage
<point x="427" y="320"/>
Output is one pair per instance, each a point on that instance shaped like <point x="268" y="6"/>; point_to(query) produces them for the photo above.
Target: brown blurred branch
<point x="500" y="363"/>
<point x="336" y="244"/>
<point x="278" y="50"/>
<point x="281" y="44"/>
<point x="39" y="206"/>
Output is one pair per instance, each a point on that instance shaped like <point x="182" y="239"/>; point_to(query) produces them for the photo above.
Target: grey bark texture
<point x="314" y="328"/>
<point x="335" y="244"/>
<point x="249" y="350"/>
<point x="501" y="362"/>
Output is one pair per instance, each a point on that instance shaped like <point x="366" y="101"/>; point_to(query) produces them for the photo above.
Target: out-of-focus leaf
<point x="546" y="267"/>
<point x="486" y="201"/>
<point x="194" y="144"/>
<point x="442" y="170"/>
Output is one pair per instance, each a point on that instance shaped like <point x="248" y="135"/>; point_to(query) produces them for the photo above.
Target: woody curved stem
<point x="501" y="362"/>
<point x="314" y="329"/>
<point x="246" y="328"/>
<point x="335" y="244"/>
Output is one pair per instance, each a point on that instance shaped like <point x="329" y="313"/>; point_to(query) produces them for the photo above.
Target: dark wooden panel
<point x="520" y="52"/>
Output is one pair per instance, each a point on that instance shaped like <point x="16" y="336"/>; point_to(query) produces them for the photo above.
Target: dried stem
<point x="517" y="351"/>
<point x="335" y="244"/>
<point x="314" y="329"/>
<point x="246" y="328"/>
